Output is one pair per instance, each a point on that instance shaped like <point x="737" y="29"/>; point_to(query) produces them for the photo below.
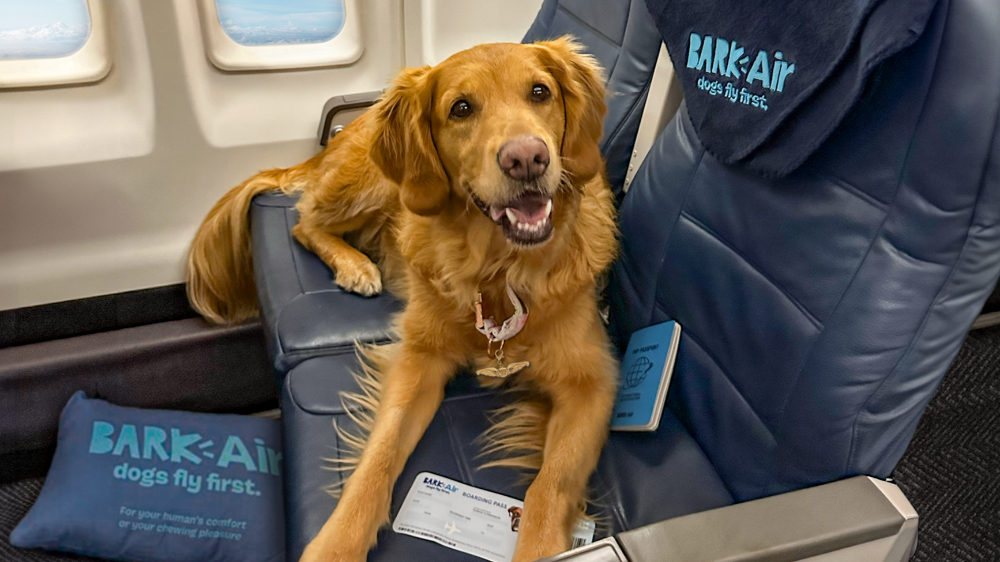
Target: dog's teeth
<point x="548" y="208"/>
<point x="511" y="216"/>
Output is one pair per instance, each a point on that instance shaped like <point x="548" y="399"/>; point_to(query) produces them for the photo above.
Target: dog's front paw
<point x="363" y="279"/>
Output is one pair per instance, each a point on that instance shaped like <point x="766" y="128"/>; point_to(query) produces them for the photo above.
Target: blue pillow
<point x="155" y="485"/>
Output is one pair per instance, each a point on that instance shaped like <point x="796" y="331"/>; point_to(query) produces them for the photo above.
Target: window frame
<point x="226" y="54"/>
<point x="91" y="63"/>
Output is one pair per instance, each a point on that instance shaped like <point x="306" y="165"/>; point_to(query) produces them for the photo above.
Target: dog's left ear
<point x="402" y="146"/>
<point x="582" y="86"/>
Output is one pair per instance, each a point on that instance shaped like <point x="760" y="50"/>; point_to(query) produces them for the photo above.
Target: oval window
<point x="43" y="29"/>
<point x="255" y="23"/>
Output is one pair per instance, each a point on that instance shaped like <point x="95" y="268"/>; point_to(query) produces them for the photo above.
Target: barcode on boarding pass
<point x="583" y="533"/>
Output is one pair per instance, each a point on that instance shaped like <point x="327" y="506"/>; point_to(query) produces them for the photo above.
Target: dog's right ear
<point x="403" y="147"/>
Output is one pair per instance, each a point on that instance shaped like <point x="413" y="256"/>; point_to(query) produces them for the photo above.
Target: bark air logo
<point x="156" y="443"/>
<point x="440" y="485"/>
<point x="724" y="58"/>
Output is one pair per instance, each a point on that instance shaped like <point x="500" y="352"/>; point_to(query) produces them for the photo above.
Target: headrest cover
<point x="766" y="81"/>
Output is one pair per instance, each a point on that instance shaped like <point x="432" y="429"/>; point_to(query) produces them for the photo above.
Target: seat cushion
<point x="822" y="309"/>
<point x="304" y="313"/>
<point x="642" y="477"/>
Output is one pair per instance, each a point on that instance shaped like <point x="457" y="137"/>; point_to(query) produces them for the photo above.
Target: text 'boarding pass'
<point x="468" y="519"/>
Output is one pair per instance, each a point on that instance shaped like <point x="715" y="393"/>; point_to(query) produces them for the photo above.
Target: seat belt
<point x="662" y="101"/>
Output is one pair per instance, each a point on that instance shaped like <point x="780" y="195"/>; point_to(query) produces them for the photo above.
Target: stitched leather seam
<point x="795" y="302"/>
<point x="628" y="117"/>
<point x="615" y="507"/>
<point x="673" y="225"/>
<point x="937" y="298"/>
<point x="833" y="312"/>
<point x="333" y="421"/>
<point x="464" y="471"/>
<point x="909" y="348"/>
<point x="852" y="449"/>
<point x="341" y="477"/>
<point x="291" y="251"/>
<point x="263" y="203"/>
<point x="295" y="267"/>
<point x="291" y="359"/>
<point x="594" y="30"/>
<point x="850" y="188"/>
<point x="725" y="376"/>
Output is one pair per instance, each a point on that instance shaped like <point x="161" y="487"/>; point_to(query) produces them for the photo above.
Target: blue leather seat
<point x="303" y="312"/>
<point x="820" y="310"/>
<point x="311" y="409"/>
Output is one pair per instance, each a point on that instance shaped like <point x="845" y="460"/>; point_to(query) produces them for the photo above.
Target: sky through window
<point x="42" y="29"/>
<point x="280" y="22"/>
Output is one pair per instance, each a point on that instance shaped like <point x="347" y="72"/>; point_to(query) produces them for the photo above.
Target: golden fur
<point x="394" y="199"/>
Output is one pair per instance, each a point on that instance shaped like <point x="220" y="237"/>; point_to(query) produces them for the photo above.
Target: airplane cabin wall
<point x="103" y="185"/>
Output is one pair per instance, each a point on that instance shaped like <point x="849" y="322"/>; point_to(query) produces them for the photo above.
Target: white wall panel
<point x="102" y="187"/>
<point x="86" y="123"/>
<point x="437" y="29"/>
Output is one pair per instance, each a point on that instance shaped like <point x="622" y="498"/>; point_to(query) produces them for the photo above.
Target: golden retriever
<point x="479" y="176"/>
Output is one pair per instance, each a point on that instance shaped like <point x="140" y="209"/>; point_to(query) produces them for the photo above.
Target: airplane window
<point x="43" y="29"/>
<point x="256" y="23"/>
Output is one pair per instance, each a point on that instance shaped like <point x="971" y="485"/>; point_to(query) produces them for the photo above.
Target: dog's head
<point x="501" y="124"/>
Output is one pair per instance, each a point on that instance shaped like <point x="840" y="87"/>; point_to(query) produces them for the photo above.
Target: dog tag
<point x="502" y="371"/>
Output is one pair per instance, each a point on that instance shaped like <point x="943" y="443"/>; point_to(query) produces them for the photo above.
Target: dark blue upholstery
<point x="821" y="311"/>
<point x="623" y="38"/>
<point x="311" y="407"/>
<point x="304" y="313"/>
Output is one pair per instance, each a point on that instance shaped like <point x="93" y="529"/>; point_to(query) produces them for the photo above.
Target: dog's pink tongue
<point x="530" y="208"/>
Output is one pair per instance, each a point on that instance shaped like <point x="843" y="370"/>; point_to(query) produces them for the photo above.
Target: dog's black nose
<point x="524" y="158"/>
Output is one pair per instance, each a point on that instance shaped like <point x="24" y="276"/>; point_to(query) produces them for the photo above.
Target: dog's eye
<point x="461" y="109"/>
<point x="539" y="93"/>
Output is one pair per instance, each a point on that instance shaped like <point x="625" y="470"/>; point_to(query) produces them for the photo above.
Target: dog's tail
<point x="220" y="262"/>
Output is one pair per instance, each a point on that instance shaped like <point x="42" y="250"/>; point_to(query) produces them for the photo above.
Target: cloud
<point x="58" y="31"/>
<point x="287" y="34"/>
<point x="42" y="41"/>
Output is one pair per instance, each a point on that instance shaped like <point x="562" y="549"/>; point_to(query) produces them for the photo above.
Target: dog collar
<point x="501" y="333"/>
<point x="510" y="327"/>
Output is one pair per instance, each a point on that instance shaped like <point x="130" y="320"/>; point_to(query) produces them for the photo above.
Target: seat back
<point x="822" y="309"/>
<point x="622" y="37"/>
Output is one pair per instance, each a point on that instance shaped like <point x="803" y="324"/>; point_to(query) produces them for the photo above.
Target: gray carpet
<point x="951" y="472"/>
<point x="15" y="499"/>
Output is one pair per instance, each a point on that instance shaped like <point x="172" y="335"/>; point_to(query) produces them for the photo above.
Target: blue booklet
<point x="646" y="369"/>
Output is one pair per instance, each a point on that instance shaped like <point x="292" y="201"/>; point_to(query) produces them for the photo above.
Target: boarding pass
<point x="467" y="519"/>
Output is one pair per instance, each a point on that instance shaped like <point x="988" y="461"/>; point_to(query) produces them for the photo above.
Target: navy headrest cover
<point x="765" y="82"/>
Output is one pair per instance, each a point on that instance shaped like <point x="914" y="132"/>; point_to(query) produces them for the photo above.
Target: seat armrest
<point x="339" y="111"/>
<point x="303" y="312"/>
<point x="859" y="518"/>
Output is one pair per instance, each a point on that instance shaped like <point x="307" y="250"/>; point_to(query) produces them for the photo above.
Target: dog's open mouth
<point x="526" y="220"/>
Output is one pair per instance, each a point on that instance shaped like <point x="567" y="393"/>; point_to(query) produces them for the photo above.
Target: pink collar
<point x="510" y="327"/>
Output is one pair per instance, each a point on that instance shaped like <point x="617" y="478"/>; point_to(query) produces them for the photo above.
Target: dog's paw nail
<point x="365" y="281"/>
